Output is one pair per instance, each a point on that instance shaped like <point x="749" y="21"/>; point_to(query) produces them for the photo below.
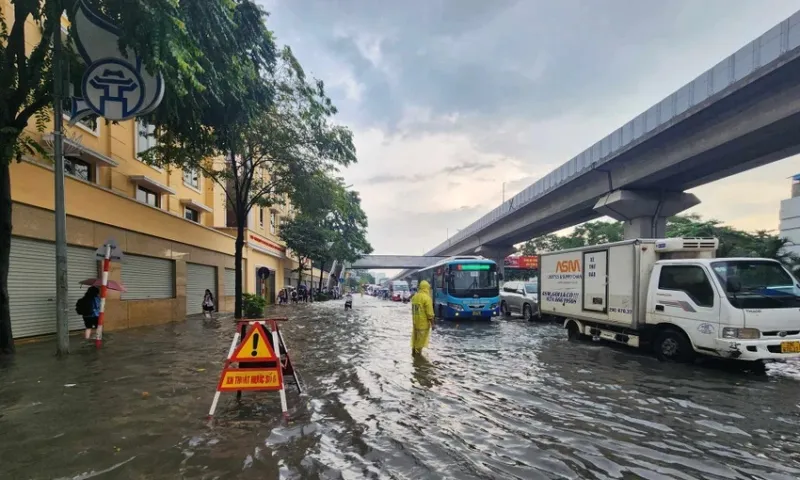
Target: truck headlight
<point x="494" y="305"/>
<point x="456" y="307"/>
<point x="741" y="333"/>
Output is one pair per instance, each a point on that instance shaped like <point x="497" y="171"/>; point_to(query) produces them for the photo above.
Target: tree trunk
<point x="237" y="262"/>
<point x="6" y="336"/>
<point x="321" y="269"/>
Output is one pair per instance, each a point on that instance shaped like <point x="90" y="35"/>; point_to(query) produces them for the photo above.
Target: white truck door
<point x="595" y="284"/>
<point x="686" y="297"/>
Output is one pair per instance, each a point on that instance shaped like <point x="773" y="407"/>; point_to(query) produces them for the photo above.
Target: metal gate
<point x="148" y="278"/>
<point x="198" y="279"/>
<point x="32" y="285"/>
<point x="230" y="282"/>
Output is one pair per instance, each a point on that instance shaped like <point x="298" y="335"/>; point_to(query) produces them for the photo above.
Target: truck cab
<point x="740" y="308"/>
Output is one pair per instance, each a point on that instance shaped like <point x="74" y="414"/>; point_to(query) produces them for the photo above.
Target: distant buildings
<point x="379" y="276"/>
<point x="790" y="217"/>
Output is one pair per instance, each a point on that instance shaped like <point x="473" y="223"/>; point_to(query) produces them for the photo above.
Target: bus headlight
<point x="456" y="307"/>
<point x="741" y="333"/>
<point x="494" y="305"/>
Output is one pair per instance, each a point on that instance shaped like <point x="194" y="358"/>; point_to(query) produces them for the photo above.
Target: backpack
<point x="83" y="307"/>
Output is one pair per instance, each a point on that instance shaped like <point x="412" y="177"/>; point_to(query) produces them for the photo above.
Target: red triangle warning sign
<point x="255" y="347"/>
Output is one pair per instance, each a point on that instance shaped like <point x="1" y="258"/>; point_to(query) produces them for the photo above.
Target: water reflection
<point x="507" y="399"/>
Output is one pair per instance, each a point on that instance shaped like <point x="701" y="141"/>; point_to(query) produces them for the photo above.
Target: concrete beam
<point x="644" y="212"/>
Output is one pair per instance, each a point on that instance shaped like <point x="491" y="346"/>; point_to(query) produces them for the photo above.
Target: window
<point x="144" y="136"/>
<point x="691" y="280"/>
<point x="78" y="168"/>
<point x="148" y="196"/>
<point x="261" y="217"/>
<point x="532" y="287"/>
<point x="273" y="223"/>
<point x="191" y="178"/>
<point x="191" y="214"/>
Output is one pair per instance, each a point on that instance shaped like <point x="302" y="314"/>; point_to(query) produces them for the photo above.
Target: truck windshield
<point x="764" y="284"/>
<point x="468" y="280"/>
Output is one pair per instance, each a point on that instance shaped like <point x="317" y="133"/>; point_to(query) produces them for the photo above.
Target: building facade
<point x="790" y="217"/>
<point x="171" y="224"/>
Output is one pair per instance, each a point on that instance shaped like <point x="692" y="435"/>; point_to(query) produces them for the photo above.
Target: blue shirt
<point x="96" y="307"/>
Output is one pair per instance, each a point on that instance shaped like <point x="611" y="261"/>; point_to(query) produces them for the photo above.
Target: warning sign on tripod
<point x="254" y="364"/>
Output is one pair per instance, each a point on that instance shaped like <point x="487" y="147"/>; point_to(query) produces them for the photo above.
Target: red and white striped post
<point x="103" y="291"/>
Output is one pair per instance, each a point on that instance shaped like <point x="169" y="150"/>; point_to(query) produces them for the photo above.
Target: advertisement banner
<point x="524" y="262"/>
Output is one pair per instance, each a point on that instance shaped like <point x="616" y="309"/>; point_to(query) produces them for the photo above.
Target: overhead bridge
<point x="394" y="261"/>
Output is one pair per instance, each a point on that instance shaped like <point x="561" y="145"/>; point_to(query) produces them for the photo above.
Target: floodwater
<point x="502" y="400"/>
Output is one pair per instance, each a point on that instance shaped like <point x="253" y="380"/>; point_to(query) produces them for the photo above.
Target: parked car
<point x="521" y="298"/>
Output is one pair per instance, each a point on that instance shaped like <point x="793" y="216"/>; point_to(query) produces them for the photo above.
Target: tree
<point x="338" y="211"/>
<point x="163" y="32"/>
<point x="269" y="153"/>
<point x="732" y="242"/>
<point x="307" y="238"/>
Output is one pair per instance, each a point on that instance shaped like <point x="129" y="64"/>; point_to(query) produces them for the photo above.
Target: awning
<point x="75" y="149"/>
<point x="188" y="202"/>
<point x="151" y="184"/>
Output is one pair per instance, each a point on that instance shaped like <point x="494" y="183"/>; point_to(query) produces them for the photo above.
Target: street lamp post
<point x="62" y="319"/>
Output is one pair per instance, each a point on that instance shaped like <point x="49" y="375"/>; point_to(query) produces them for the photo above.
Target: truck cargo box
<point x="604" y="283"/>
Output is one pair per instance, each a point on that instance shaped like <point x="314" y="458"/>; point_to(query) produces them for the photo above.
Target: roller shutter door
<point x="230" y="282"/>
<point x="32" y="285"/>
<point x="198" y="279"/>
<point x="147" y="278"/>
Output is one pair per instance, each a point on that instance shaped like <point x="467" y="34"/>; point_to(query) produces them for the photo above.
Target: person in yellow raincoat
<point x="422" y="314"/>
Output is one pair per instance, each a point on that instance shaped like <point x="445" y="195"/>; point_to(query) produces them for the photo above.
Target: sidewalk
<point x="135" y="404"/>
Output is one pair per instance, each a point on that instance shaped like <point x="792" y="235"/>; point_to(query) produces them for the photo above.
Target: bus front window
<point x="469" y="280"/>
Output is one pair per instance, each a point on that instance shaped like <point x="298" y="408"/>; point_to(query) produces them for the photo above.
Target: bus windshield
<point x="471" y="279"/>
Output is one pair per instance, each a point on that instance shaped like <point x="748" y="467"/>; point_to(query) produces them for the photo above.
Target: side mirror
<point x="500" y="277"/>
<point x="733" y="285"/>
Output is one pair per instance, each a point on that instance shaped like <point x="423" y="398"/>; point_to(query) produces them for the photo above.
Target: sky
<point x="450" y="99"/>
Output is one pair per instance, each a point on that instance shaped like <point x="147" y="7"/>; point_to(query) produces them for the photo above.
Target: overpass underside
<point x="394" y="262"/>
<point x="756" y="123"/>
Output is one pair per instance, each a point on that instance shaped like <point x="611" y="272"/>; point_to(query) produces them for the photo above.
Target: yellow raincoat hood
<point x="424" y="287"/>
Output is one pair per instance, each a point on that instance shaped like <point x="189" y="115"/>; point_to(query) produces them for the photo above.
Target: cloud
<point x="449" y="99"/>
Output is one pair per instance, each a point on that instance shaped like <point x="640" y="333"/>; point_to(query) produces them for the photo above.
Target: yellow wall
<point x="37" y="223"/>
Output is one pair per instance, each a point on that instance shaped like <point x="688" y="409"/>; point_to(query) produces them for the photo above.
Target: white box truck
<point x="674" y="295"/>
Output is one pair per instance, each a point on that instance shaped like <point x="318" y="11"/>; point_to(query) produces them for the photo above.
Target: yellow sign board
<point x="235" y="379"/>
<point x="255" y="347"/>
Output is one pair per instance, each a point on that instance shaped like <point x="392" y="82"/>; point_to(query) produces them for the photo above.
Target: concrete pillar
<point x="336" y="270"/>
<point x="496" y="253"/>
<point x="644" y="212"/>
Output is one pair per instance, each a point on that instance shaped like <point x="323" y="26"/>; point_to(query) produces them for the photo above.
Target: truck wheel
<point x="574" y="334"/>
<point x="504" y="309"/>
<point x="440" y="314"/>
<point x="673" y="346"/>
<point x="527" y="312"/>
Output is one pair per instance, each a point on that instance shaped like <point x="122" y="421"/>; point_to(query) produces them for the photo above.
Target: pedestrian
<point x="422" y="315"/>
<point x="89" y="308"/>
<point x="294" y="296"/>
<point x="208" y="304"/>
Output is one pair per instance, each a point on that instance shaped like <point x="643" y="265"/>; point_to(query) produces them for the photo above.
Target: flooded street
<point x="502" y="400"/>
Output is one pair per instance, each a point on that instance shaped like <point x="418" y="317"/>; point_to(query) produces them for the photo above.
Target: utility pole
<point x="62" y="319"/>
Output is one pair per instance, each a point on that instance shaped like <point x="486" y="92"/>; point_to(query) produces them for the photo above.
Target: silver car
<point x="520" y="297"/>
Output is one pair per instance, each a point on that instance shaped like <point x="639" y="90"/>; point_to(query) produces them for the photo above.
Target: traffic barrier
<point x="258" y="365"/>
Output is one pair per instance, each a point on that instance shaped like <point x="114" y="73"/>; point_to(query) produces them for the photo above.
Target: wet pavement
<point x="501" y="400"/>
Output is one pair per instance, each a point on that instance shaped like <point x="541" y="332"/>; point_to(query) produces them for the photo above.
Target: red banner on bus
<point x="524" y="262"/>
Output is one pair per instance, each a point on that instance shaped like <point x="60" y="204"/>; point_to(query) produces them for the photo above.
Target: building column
<point x="643" y="212"/>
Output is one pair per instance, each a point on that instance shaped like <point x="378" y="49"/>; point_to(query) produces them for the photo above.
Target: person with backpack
<point x="88" y="307"/>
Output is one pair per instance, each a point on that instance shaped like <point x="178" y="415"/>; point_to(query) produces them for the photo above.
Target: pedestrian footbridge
<point x="394" y="262"/>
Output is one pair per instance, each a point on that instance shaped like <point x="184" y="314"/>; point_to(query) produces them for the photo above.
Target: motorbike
<point x="348" y="302"/>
